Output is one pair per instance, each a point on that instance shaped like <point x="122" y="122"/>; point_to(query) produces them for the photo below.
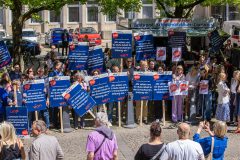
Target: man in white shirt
<point x="184" y="148"/>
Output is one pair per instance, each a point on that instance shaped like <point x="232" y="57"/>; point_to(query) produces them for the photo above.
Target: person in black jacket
<point x="154" y="148"/>
<point x="65" y="40"/>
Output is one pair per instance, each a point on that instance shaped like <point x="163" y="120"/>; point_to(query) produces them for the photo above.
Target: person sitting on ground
<point x="155" y="147"/>
<point x="11" y="148"/>
<point x="101" y="143"/>
<point x="217" y="137"/>
<point x="184" y="148"/>
<point x="44" y="147"/>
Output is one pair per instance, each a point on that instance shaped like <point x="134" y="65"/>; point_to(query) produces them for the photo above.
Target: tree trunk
<point x="179" y="11"/>
<point x="17" y="26"/>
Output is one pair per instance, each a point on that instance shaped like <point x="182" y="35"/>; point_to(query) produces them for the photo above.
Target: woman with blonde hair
<point x="11" y="148"/>
<point x="215" y="145"/>
<point x="223" y="111"/>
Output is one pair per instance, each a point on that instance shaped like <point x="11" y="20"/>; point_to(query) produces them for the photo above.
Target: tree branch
<point x="192" y="4"/>
<point x="188" y="13"/>
<point x="164" y="8"/>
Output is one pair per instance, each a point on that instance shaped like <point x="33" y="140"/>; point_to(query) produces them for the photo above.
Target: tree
<point x="35" y="6"/>
<point x="183" y="8"/>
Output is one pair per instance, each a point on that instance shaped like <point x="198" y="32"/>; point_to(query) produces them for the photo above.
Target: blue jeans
<point x="111" y="105"/>
<point x="45" y="115"/>
<point x="205" y="101"/>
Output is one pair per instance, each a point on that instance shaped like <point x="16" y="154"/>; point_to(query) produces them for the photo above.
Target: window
<point x="38" y="18"/>
<point x="130" y="15"/>
<point x="92" y="13"/>
<point x="1" y="15"/>
<point x="111" y="17"/>
<point x="54" y="16"/>
<point x="147" y="12"/>
<point x="73" y="12"/>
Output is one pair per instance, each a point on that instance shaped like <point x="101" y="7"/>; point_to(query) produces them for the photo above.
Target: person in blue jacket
<point x="220" y="139"/>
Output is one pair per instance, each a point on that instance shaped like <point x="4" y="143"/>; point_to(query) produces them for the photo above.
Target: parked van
<point x="233" y="28"/>
<point x="29" y="34"/>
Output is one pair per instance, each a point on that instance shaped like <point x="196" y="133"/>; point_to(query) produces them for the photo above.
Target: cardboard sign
<point x="100" y="89"/>
<point x="176" y="54"/>
<point x="56" y="87"/>
<point x="122" y="44"/>
<point x="5" y="58"/>
<point x="143" y="85"/>
<point x="79" y="99"/>
<point x="33" y="93"/>
<point x="18" y="116"/>
<point x="95" y="59"/>
<point x="77" y="57"/>
<point x="161" y="54"/>
<point x="144" y="46"/>
<point x="178" y="88"/>
<point x="118" y="86"/>
<point x="160" y="85"/>
<point x="203" y="87"/>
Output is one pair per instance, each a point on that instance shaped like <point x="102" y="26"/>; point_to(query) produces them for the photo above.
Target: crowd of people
<point x="222" y="101"/>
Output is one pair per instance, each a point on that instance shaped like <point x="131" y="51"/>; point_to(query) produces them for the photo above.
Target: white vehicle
<point x="3" y="34"/>
<point x="29" y="34"/>
<point x="233" y="28"/>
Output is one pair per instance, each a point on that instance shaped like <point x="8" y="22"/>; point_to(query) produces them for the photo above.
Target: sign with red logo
<point x="178" y="88"/>
<point x="203" y="87"/>
<point x="176" y="54"/>
<point x="161" y="54"/>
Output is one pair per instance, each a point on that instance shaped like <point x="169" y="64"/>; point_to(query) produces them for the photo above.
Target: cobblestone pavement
<point x="129" y="140"/>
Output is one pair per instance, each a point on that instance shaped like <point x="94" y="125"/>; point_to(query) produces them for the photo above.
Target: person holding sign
<point x="16" y="72"/>
<point x="11" y="147"/>
<point x="44" y="113"/>
<point x="193" y="78"/>
<point x="143" y="68"/>
<point x="18" y="100"/>
<point x="79" y="78"/>
<point x="205" y="100"/>
<point x="223" y="111"/>
<point x="234" y="83"/>
<point x="177" y="102"/>
<point x="56" y="72"/>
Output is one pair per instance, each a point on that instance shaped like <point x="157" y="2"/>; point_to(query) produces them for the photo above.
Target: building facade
<point x="75" y="15"/>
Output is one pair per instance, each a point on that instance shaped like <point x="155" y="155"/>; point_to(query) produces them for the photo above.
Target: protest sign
<point x="118" y="86"/>
<point x="203" y="87"/>
<point x="57" y="85"/>
<point x="77" y="57"/>
<point x="79" y="99"/>
<point x="18" y="116"/>
<point x="217" y="40"/>
<point x="95" y="59"/>
<point x="176" y="54"/>
<point x="122" y="44"/>
<point x="144" y="46"/>
<point x="183" y="87"/>
<point x="161" y="54"/>
<point x="176" y="39"/>
<point x="5" y="58"/>
<point x="33" y="93"/>
<point x="173" y="88"/>
<point x="143" y="85"/>
<point x="160" y="86"/>
<point x="100" y="88"/>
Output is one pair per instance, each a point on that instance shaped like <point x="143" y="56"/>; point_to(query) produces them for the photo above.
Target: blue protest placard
<point x="18" y="116"/>
<point x="79" y="99"/>
<point x="144" y="46"/>
<point x="216" y="40"/>
<point x="95" y="59"/>
<point x="118" y="86"/>
<point x="34" y="95"/>
<point x="100" y="88"/>
<point x="160" y="86"/>
<point x="143" y="85"/>
<point x="77" y="57"/>
<point x="122" y="44"/>
<point x="58" y="85"/>
<point x="5" y="58"/>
